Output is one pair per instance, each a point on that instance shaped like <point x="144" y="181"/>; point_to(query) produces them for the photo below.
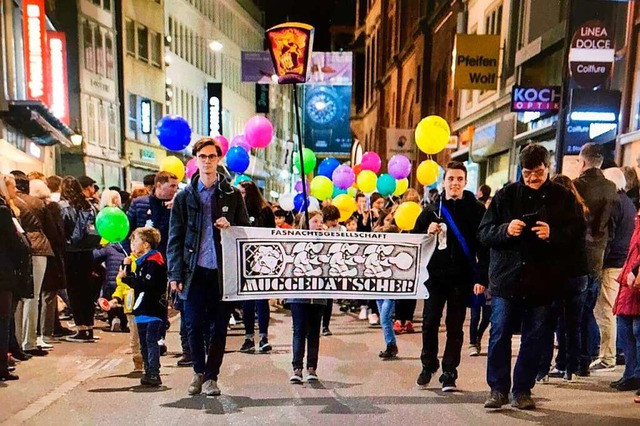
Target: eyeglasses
<point x="204" y="157"/>
<point x="529" y="173"/>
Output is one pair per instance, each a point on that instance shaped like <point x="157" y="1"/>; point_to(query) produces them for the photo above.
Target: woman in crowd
<point x="261" y="216"/>
<point x="79" y="223"/>
<point x="632" y="187"/>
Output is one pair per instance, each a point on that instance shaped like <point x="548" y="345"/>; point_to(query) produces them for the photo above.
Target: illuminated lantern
<point x="290" y="46"/>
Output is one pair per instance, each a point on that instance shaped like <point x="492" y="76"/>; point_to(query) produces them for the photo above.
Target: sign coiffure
<point x="542" y="99"/>
<point x="35" y="49"/>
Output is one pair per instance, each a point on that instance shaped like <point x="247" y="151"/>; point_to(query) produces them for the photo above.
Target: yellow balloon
<point x="346" y="205"/>
<point x="352" y="191"/>
<point x="401" y="187"/>
<point x="367" y="181"/>
<point x="173" y="165"/>
<point x="432" y="134"/>
<point x="427" y="172"/>
<point x="321" y="188"/>
<point x="407" y="214"/>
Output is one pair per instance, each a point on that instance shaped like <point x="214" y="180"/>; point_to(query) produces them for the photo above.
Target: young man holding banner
<point x="457" y="268"/>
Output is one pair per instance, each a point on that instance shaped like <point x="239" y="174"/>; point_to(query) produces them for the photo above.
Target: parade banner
<point x="261" y="263"/>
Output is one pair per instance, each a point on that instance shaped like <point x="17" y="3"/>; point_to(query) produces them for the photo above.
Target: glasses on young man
<point x="205" y="157"/>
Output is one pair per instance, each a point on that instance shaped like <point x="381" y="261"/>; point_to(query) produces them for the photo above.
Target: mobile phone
<point x="530" y="219"/>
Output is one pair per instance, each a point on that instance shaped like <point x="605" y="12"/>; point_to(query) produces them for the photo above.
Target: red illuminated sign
<point x="58" y="99"/>
<point x="35" y="49"/>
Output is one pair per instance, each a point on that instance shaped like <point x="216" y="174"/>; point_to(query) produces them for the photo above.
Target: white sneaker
<point x="474" y="350"/>
<point x="373" y="319"/>
<point x="115" y="325"/>
<point x="363" y="313"/>
<point x="42" y="344"/>
<point x="232" y="320"/>
<point x="210" y="388"/>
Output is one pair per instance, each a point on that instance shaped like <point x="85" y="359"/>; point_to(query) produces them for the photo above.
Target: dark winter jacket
<point x="264" y="219"/>
<point x="149" y="210"/>
<point x="112" y="255"/>
<point x="55" y="276"/>
<point x="621" y="225"/>
<point x="14" y="256"/>
<point x="525" y="267"/>
<point x="186" y="225"/>
<point x="32" y="217"/>
<point x="599" y="194"/>
<point x="467" y="214"/>
<point x="149" y="282"/>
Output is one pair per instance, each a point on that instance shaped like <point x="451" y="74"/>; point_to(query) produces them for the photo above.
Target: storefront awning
<point x="37" y="122"/>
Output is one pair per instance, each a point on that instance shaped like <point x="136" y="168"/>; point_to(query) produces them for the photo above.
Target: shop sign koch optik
<point x="541" y="99"/>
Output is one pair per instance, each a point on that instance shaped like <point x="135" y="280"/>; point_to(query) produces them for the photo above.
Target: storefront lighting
<point x="35" y="150"/>
<point x="593" y="116"/>
<point x="76" y="139"/>
<point x="168" y="81"/>
<point x="599" y="129"/>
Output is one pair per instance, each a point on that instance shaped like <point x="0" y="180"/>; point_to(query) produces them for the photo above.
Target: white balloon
<point x="314" y="204"/>
<point x="286" y="201"/>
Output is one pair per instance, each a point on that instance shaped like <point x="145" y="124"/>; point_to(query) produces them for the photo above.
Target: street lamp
<point x="76" y="139"/>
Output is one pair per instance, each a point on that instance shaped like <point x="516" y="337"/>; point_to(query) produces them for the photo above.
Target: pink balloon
<point x="258" y="132"/>
<point x="191" y="167"/>
<point x="298" y="186"/>
<point x="371" y="161"/>
<point x="241" y="142"/>
<point x="224" y="144"/>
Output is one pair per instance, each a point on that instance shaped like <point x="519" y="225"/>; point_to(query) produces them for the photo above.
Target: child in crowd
<point x="307" y="316"/>
<point x="480" y="320"/>
<point x="125" y="296"/>
<point x="112" y="256"/>
<point x="352" y="224"/>
<point x="281" y="219"/>
<point x="149" y="282"/>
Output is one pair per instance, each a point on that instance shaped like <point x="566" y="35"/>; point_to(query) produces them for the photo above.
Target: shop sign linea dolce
<point x="542" y="99"/>
<point x="591" y="54"/>
<point x="35" y="50"/>
<point x="475" y="62"/>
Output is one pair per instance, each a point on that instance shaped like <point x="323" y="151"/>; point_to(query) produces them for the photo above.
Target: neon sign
<point x="35" y="49"/>
<point x="58" y="73"/>
<point x="145" y="116"/>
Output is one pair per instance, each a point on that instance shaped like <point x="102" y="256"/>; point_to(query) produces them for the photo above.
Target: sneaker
<point x="408" y="327"/>
<point x="523" y="402"/>
<point x="248" y="346"/>
<point x="398" y="328"/>
<point x="21" y="356"/>
<point x="195" y="388"/>
<point x="374" y="319"/>
<point x="151" y="380"/>
<point x="81" y="336"/>
<point x="296" y="378"/>
<point x="312" y="376"/>
<point x="42" y="344"/>
<point x="556" y="374"/>
<point x="474" y="350"/>
<point x="326" y="331"/>
<point x="7" y="376"/>
<point x="496" y="400"/>
<point x="363" y="313"/>
<point x="390" y="352"/>
<point x="210" y="388"/>
<point x="542" y="379"/>
<point x="185" y="361"/>
<point x="600" y="365"/>
<point x="616" y="383"/>
<point x="424" y="378"/>
<point x="264" y="346"/>
<point x="36" y="352"/>
<point x="628" y="385"/>
<point x="115" y="325"/>
<point x="448" y="381"/>
<point x="569" y="377"/>
<point x="63" y="332"/>
<point x="232" y="320"/>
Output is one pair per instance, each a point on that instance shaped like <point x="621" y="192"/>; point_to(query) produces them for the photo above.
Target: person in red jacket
<point x="627" y="308"/>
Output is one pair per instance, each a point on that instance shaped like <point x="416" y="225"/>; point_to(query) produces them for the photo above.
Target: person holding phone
<point x="529" y="226"/>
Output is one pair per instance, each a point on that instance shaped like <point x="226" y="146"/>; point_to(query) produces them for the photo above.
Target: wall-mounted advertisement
<point x="401" y="141"/>
<point x="535" y="99"/>
<point x="326" y="118"/>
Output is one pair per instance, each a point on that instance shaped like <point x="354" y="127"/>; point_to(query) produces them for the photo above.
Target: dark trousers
<point x="630" y="336"/>
<point x="150" y="333"/>
<point x="6" y="299"/>
<point x="206" y="313"/>
<point x="82" y="288"/>
<point x="249" y="308"/>
<point x="14" y="346"/>
<point x="306" y="332"/>
<point x="480" y="320"/>
<point x="590" y="333"/>
<point x="535" y="323"/>
<point x="118" y="312"/>
<point x="454" y="292"/>
<point x="178" y="305"/>
<point x="405" y="309"/>
<point x="326" y="314"/>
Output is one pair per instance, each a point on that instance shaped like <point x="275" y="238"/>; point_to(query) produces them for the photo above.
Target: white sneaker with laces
<point x="115" y="325"/>
<point x="232" y="320"/>
<point x="373" y="319"/>
<point x="210" y="388"/>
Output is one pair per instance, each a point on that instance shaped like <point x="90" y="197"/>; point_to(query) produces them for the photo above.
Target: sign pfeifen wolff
<point x="591" y="54"/>
<point x="214" y="102"/>
<point x="543" y="99"/>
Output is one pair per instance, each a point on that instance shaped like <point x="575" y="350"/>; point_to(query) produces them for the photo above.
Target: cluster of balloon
<point x="112" y="224"/>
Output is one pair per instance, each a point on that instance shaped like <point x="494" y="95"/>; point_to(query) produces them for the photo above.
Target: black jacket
<point x="186" y="225"/>
<point x="467" y="213"/>
<point x="55" y="276"/>
<point x="149" y="283"/>
<point x="15" y="256"/>
<point x="621" y="225"/>
<point x="526" y="267"/>
<point x="599" y="194"/>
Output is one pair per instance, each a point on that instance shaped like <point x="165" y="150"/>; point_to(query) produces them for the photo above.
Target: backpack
<point x="85" y="235"/>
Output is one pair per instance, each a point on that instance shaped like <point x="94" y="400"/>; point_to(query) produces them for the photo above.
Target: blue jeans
<point x="249" y="317"/>
<point x="590" y="333"/>
<point x="630" y="328"/>
<point x="535" y="323"/>
<point x="480" y="320"/>
<point x="306" y="332"/>
<point x="206" y="314"/>
<point x="150" y="333"/>
<point x="386" y="308"/>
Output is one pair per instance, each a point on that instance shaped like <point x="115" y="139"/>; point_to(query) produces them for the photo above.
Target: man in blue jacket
<point x="205" y="207"/>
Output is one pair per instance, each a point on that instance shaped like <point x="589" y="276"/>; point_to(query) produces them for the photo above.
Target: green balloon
<point x="386" y="185"/>
<point x="112" y="224"/>
<point x="308" y="158"/>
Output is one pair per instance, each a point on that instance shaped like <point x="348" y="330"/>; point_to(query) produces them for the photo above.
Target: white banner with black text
<point x="262" y="263"/>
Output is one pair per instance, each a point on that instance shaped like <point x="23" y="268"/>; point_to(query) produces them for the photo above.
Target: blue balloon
<point x="337" y="191"/>
<point x="299" y="202"/>
<point x="327" y="166"/>
<point x="237" y="159"/>
<point x="173" y="132"/>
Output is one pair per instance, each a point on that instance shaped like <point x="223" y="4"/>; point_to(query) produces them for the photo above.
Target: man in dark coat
<point x="458" y="263"/>
<point x="528" y="226"/>
<point x="206" y="206"/>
